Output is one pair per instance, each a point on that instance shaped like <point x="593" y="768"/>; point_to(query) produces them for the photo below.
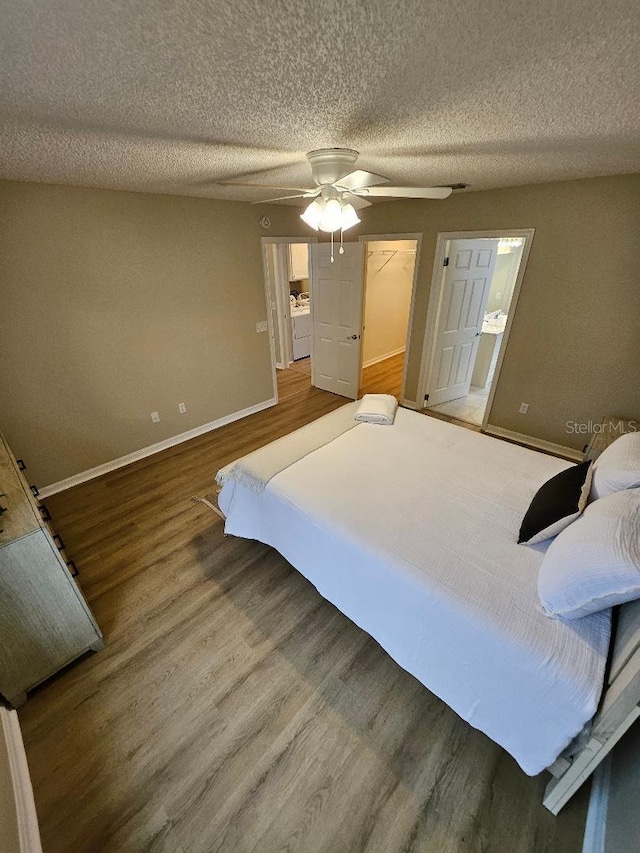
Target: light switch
<point x="262" y="326"/>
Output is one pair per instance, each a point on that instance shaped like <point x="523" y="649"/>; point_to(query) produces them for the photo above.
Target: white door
<point x="463" y="298"/>
<point x="336" y="297"/>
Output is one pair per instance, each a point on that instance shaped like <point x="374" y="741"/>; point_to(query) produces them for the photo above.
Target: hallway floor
<point x="470" y="408"/>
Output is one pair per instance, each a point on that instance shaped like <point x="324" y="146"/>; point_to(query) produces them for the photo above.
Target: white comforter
<point x="411" y="532"/>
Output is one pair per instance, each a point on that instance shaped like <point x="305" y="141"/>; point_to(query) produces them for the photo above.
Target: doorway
<point x="389" y="278"/>
<point x="287" y="278"/>
<point x="475" y="289"/>
<point x="347" y="302"/>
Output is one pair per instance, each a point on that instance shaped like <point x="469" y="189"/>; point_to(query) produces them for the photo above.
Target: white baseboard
<point x="409" y="404"/>
<point x="383" y="357"/>
<point x="105" y="468"/>
<point x="536" y="443"/>
<point x="595" y="832"/>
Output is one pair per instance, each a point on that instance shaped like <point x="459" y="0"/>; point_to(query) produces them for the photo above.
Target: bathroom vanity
<point x="488" y="350"/>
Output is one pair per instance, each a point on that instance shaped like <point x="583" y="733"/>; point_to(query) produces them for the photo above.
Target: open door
<point x="336" y="293"/>
<point x="464" y="294"/>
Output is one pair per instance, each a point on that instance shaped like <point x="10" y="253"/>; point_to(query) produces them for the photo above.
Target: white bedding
<point x="411" y="532"/>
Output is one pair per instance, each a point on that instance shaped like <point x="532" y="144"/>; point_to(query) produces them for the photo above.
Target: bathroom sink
<point x="494" y="327"/>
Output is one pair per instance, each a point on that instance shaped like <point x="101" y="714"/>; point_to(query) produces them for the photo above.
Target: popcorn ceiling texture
<point x="169" y="96"/>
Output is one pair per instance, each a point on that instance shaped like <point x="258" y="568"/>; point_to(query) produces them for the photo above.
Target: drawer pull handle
<point x="73" y="569"/>
<point x="44" y="512"/>
<point x="34" y="490"/>
<point x="21" y="465"/>
<point x="58" y="540"/>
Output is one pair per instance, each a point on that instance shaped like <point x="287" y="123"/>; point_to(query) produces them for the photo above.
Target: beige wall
<point x="114" y="305"/>
<point x="388" y="286"/>
<point x="574" y="351"/>
<point x="117" y="304"/>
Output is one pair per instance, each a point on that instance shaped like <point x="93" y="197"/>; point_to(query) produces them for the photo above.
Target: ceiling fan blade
<point x="408" y="192"/>
<point x="284" y="198"/>
<point x="264" y="186"/>
<point x="357" y="201"/>
<point x="359" y="178"/>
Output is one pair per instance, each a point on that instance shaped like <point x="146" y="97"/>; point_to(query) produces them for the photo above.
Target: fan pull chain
<point x="341" y="246"/>
<point x="332" y="258"/>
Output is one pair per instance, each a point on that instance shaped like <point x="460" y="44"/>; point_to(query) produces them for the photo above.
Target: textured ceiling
<point x="172" y="95"/>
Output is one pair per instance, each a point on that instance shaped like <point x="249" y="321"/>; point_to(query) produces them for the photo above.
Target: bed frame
<point x="619" y="705"/>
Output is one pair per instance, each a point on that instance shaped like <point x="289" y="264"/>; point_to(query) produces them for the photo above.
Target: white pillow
<point x="595" y="562"/>
<point x="617" y="467"/>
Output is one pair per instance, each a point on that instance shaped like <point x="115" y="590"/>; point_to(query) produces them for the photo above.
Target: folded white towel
<point x="377" y="409"/>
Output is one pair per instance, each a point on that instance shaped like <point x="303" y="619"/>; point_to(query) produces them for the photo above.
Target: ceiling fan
<point x="340" y="190"/>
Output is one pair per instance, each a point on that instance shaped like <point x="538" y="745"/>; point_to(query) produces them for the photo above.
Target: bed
<point x="410" y="531"/>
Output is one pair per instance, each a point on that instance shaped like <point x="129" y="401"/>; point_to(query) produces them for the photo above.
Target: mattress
<point x="410" y="530"/>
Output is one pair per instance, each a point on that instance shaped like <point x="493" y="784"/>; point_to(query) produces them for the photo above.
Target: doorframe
<point x="369" y="238"/>
<point x="437" y="279"/>
<point x="282" y="308"/>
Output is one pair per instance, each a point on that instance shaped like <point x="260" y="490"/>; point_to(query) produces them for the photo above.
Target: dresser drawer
<point x="42" y="612"/>
<point x="21" y="515"/>
<point x="45" y="623"/>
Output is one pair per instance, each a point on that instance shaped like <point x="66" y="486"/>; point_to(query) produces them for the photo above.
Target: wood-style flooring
<point x="235" y="710"/>
<point x="385" y="377"/>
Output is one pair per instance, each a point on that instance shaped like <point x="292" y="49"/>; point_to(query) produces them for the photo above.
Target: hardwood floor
<point x="385" y="377"/>
<point x="292" y="381"/>
<point x="233" y="709"/>
<point x="303" y="366"/>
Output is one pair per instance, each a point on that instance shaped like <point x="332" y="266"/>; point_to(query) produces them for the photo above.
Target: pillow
<point x="594" y="563"/>
<point x="556" y="504"/>
<point x="617" y="467"/>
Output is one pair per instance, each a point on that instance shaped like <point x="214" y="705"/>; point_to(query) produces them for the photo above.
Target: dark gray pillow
<point x="556" y="504"/>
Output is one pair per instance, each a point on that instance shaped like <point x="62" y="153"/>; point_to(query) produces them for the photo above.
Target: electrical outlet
<point x="155" y="417"/>
<point x="498" y="295"/>
<point x="524" y="408"/>
<point x="182" y="408"/>
<point x="262" y="326"/>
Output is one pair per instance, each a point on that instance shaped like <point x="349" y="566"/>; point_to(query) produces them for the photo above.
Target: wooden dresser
<point x="45" y="622"/>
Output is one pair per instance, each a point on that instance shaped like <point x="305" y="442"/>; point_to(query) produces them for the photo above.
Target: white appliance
<point x="301" y="332"/>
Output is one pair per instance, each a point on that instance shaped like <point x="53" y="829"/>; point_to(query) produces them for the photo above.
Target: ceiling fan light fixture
<point x="349" y="216"/>
<point x="331" y="216"/>
<point x="313" y="214"/>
